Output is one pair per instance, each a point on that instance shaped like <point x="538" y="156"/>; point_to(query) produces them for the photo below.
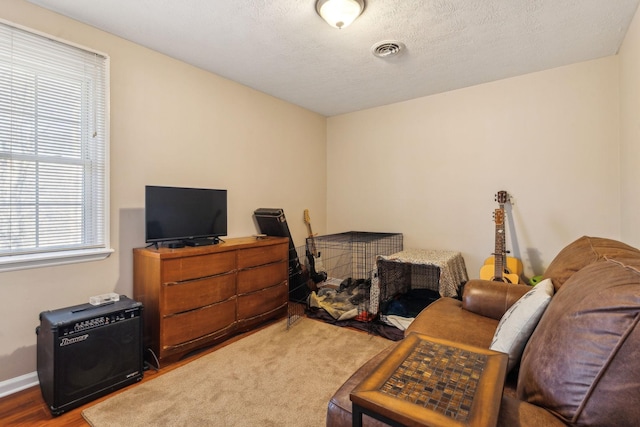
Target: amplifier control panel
<point x="96" y="322"/>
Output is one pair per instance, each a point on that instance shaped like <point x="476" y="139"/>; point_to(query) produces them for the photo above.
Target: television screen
<point x="175" y="213"/>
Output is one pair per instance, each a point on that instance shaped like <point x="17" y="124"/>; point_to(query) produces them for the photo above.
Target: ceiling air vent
<point x="387" y="49"/>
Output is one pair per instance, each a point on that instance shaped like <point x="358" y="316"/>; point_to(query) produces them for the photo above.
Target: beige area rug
<point x="274" y="377"/>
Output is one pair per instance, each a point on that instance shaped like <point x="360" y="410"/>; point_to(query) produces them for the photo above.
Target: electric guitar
<point x="500" y="267"/>
<point x="316" y="269"/>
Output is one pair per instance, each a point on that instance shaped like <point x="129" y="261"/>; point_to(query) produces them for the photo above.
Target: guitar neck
<point x="499" y="252"/>
<point x="311" y="239"/>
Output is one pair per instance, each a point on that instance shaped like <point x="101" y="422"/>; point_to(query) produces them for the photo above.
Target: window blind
<point x="53" y="145"/>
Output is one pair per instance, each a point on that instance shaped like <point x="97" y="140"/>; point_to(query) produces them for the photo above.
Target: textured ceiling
<point x="283" y="48"/>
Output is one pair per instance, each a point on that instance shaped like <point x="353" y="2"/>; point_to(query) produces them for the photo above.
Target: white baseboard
<point x="16" y="384"/>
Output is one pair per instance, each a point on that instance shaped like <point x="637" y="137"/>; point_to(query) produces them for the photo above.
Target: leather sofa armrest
<point x="516" y="413"/>
<point x="491" y="299"/>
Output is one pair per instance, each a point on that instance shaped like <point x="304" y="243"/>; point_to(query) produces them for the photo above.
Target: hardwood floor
<point x="27" y="407"/>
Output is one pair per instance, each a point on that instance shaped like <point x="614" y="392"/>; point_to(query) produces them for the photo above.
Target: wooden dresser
<point x="197" y="296"/>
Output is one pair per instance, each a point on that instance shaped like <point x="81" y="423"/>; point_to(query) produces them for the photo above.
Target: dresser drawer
<point x="183" y="327"/>
<point x="195" y="267"/>
<point x="183" y="296"/>
<point x="254" y="279"/>
<point x="260" y="302"/>
<point x="262" y="255"/>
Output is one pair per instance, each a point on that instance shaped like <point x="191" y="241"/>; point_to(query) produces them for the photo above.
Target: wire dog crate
<point x="440" y="272"/>
<point x="400" y="277"/>
<point x="353" y="255"/>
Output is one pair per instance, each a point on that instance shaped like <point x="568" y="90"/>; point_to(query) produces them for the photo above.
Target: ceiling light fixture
<point x="339" y="13"/>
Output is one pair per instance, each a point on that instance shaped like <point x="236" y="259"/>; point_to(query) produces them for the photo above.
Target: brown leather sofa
<point x="581" y="365"/>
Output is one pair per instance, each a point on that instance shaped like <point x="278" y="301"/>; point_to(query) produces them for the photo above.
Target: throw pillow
<point x="518" y="323"/>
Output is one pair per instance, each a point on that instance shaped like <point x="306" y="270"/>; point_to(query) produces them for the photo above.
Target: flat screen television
<point x="191" y="216"/>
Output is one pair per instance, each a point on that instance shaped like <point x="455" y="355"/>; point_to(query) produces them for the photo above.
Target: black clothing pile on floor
<point x="409" y="304"/>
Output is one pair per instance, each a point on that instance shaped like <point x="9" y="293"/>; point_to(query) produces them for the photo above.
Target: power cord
<point x="149" y="365"/>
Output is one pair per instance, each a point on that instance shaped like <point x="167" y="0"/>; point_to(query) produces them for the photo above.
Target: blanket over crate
<point x="451" y="264"/>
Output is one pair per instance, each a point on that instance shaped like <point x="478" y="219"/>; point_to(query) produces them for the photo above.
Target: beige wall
<point x="430" y="167"/>
<point x="171" y="124"/>
<point x="630" y="133"/>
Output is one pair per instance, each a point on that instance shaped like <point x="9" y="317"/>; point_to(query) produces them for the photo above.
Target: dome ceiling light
<point x="339" y="13"/>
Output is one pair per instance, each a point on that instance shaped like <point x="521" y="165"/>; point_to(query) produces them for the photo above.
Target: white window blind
<point x="53" y="151"/>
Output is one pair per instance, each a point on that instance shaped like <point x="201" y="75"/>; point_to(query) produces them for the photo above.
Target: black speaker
<point x="87" y="351"/>
<point x="272" y="222"/>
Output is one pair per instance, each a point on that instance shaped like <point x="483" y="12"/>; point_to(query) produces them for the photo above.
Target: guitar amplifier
<point x="272" y="222"/>
<point x="87" y="351"/>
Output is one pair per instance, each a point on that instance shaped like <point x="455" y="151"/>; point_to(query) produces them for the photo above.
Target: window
<point x="53" y="151"/>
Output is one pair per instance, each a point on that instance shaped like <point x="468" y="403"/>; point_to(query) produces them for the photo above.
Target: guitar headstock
<point x="502" y="197"/>
<point x="498" y="216"/>
<point x="307" y="218"/>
